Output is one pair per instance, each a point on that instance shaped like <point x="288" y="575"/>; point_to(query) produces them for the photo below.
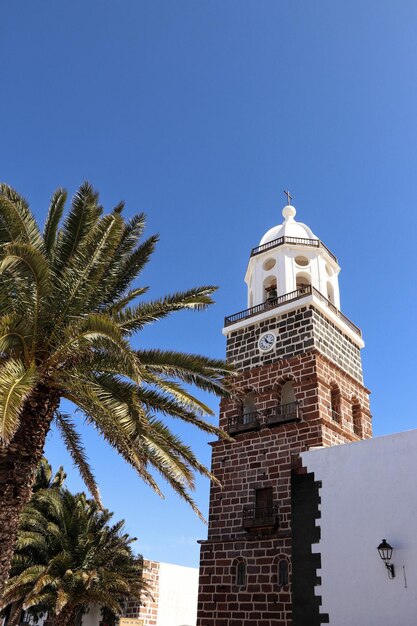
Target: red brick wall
<point x="148" y="610"/>
<point x="265" y="458"/>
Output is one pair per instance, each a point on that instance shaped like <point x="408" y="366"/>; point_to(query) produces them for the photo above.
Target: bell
<point x="272" y="294"/>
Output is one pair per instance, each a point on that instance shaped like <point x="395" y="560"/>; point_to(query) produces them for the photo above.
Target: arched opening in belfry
<point x="330" y="292"/>
<point x="249" y="407"/>
<point x="335" y="403"/>
<point x="287" y="393"/>
<point x="250" y="299"/>
<point x="357" y="417"/>
<point x="303" y="281"/>
<point x="288" y="403"/>
<point x="270" y="289"/>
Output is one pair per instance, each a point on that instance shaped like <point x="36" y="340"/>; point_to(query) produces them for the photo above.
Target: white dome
<point x="289" y="228"/>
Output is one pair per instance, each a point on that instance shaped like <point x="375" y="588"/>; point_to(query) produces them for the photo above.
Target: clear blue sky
<point x="200" y="113"/>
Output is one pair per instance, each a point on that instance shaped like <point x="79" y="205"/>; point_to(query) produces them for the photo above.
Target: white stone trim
<point x="291" y="306"/>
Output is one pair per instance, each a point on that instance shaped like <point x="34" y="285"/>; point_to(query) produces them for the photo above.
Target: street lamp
<point x="385" y="552"/>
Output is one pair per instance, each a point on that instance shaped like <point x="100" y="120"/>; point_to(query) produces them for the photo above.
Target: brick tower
<point x="300" y="378"/>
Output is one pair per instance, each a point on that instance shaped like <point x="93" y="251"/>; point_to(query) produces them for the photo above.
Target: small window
<point x="241" y="574"/>
<point x="335" y="403"/>
<point x="357" y="417"/>
<point x="283" y="573"/>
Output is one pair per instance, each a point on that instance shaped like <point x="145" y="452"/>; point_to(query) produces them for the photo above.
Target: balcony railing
<point x="243" y="423"/>
<point x="336" y="311"/>
<point x="260" y="517"/>
<point x="294" y="241"/>
<point x="280" y="414"/>
<point x="274" y="303"/>
<point x="283" y="413"/>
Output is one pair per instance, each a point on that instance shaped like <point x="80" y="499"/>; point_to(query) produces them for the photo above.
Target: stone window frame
<point x="280" y="558"/>
<point x="276" y="390"/>
<point x="335" y="402"/>
<point x="245" y="392"/>
<point x="357" y="414"/>
<point x="240" y="572"/>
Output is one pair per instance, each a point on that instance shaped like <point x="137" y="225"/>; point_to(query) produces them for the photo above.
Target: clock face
<point x="266" y="342"/>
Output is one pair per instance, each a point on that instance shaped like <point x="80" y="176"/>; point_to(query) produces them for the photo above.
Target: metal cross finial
<point x="289" y="197"/>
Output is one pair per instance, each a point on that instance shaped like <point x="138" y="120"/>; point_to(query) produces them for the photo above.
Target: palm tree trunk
<point x="15" y="613"/>
<point x="18" y="462"/>
<point x="66" y="617"/>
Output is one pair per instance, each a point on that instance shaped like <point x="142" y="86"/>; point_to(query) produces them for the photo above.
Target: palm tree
<point x="67" y="316"/>
<point x="44" y="480"/>
<point x="68" y="557"/>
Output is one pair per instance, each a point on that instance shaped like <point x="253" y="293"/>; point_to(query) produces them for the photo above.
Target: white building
<point x="173" y="603"/>
<point x="368" y="492"/>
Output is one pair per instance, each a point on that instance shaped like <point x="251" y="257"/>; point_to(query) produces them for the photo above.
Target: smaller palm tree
<point x="68" y="556"/>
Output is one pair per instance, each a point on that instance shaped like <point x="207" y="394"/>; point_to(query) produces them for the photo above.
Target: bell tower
<point x="300" y="385"/>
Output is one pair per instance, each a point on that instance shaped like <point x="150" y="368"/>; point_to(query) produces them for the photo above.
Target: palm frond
<point x="77" y="451"/>
<point x="130" y="265"/>
<point x="55" y="211"/>
<point x="123" y="301"/>
<point x="17" y="219"/>
<point x="135" y="318"/>
<point x="81" y="277"/>
<point x="16" y="383"/>
<point x="24" y="260"/>
<point x="95" y="331"/>
<point x="105" y="413"/>
<point x="208" y="374"/>
<point x="16" y="335"/>
<point x="82" y="216"/>
<point x="161" y="403"/>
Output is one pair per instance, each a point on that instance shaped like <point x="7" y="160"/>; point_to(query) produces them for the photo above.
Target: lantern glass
<point x="385" y="550"/>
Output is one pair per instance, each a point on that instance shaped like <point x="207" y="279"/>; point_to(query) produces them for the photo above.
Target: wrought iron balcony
<point x="271" y="303"/>
<point x="274" y="303"/>
<point x="294" y="241"/>
<point x="243" y="423"/>
<point x="254" y="517"/>
<point x="283" y="413"/>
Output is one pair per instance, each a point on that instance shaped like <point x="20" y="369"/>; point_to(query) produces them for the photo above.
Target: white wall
<point x="178" y="590"/>
<point x="93" y="617"/>
<point x="369" y="493"/>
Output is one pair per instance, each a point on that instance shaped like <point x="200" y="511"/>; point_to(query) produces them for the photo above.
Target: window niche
<point x="287" y="406"/>
<point x="247" y="415"/>
<point x="270" y="289"/>
<point x="283" y="574"/>
<point x="249" y="411"/>
<point x="335" y="403"/>
<point x="357" y="417"/>
<point x="303" y="281"/>
<point x="240" y="573"/>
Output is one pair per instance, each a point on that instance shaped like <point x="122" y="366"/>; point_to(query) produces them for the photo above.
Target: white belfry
<point x="291" y="258"/>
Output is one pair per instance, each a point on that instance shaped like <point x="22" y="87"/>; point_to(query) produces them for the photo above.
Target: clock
<point x="266" y="342"/>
